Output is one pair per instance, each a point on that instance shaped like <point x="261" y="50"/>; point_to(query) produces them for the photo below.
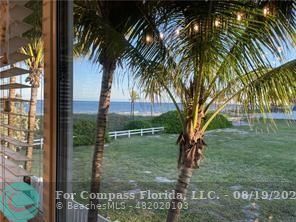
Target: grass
<point x="236" y="159"/>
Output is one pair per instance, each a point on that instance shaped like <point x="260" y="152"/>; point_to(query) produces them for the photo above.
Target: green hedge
<point x="85" y="125"/>
<point x="170" y="120"/>
<point x="84" y="132"/>
<point x="138" y="124"/>
<point x="219" y="122"/>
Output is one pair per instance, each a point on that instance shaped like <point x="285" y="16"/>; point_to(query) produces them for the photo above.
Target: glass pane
<point x="21" y="110"/>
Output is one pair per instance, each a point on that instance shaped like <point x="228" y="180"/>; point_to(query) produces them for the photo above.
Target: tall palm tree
<point x="35" y="65"/>
<point x="133" y="97"/>
<point x="219" y="55"/>
<point x="109" y="32"/>
<point x="11" y="107"/>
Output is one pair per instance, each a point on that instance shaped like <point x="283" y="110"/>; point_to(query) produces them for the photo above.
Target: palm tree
<point x="35" y="65"/>
<point x="218" y="53"/>
<point x="11" y="107"/>
<point x="109" y="32"/>
<point x="133" y="97"/>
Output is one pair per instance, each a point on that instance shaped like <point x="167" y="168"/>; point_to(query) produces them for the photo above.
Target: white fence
<point x="141" y="132"/>
<point x="38" y="142"/>
<point x="117" y="134"/>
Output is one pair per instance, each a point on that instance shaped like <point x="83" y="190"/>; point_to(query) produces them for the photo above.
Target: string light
<point x="217" y="23"/>
<point x="148" y="38"/>
<point x="195" y="28"/>
<point x="239" y="16"/>
<point x="265" y="11"/>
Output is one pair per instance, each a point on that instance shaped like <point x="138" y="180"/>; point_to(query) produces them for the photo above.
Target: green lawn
<point x="236" y="159"/>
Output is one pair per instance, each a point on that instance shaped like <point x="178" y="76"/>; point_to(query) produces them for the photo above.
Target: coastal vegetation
<point x="134" y="96"/>
<point x="85" y="125"/>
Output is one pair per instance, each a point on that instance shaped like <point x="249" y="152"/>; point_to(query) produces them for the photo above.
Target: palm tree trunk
<point x="151" y="110"/>
<point x="133" y="110"/>
<point x="181" y="189"/>
<point x="191" y="147"/>
<point x="109" y="66"/>
<point x="11" y="118"/>
<point x="31" y="127"/>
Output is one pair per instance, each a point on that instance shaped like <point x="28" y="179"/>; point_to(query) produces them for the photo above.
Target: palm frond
<point x="213" y="50"/>
<point x="274" y="87"/>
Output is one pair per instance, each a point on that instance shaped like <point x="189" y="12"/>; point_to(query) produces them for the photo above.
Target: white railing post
<point x="129" y="134"/>
<point x="141" y="132"/>
<point x="152" y="131"/>
<point x="115" y="135"/>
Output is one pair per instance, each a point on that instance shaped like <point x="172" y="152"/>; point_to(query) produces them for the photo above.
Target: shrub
<point x="117" y="122"/>
<point x="138" y="124"/>
<point x="84" y="132"/>
<point x="219" y="122"/>
<point x="170" y="121"/>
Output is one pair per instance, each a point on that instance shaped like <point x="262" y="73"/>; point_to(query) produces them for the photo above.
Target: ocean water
<point x="144" y="108"/>
<point x="279" y="115"/>
<point x="123" y="107"/>
<point x="91" y="107"/>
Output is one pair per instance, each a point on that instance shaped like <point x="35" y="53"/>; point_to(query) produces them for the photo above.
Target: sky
<point x="87" y="80"/>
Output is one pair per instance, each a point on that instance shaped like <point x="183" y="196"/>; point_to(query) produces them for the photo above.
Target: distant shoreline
<point x="123" y="108"/>
<point x="121" y="113"/>
<point x="149" y="109"/>
<point x="276" y="116"/>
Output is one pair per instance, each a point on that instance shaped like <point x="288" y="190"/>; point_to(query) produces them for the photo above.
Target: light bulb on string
<point x="239" y="16"/>
<point x="177" y="32"/>
<point x="266" y="11"/>
<point x="161" y="36"/>
<point x="148" y="38"/>
<point x="195" y="27"/>
<point x="217" y="23"/>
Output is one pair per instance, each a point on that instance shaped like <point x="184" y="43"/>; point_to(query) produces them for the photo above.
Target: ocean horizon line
<point x="119" y="101"/>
